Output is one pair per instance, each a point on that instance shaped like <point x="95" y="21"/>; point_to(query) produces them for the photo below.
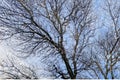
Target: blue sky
<point x="101" y="18"/>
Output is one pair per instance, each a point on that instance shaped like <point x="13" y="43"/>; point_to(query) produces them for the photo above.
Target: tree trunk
<point x="69" y="69"/>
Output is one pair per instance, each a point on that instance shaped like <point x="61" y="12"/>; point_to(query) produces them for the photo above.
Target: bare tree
<point x="57" y="27"/>
<point x="105" y="58"/>
<point x="12" y="69"/>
